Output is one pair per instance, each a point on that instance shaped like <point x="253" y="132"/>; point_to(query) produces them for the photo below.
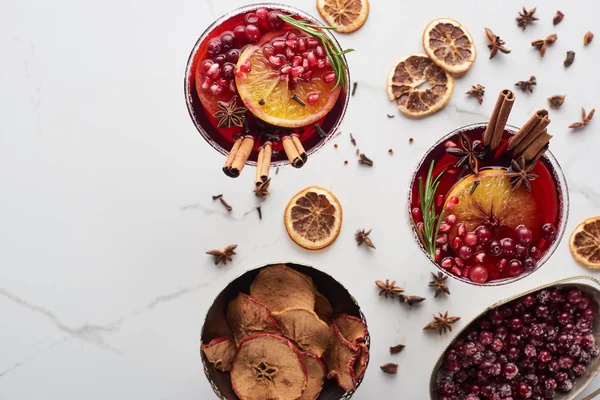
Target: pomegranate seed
<point x="456" y="271"/>
<point x="292" y="36"/>
<point x="302" y="44"/>
<point x="296" y="61"/>
<point x="213" y="71"/>
<point x="246" y="67"/>
<point x="307" y="75"/>
<point x="478" y="274"/>
<point x="438" y="255"/>
<point x="439" y="201"/>
<point x="262" y="13"/>
<point x="285" y="70"/>
<point x="444" y="227"/>
<point x="328" y="77"/>
<point x="453" y="201"/>
<point x="232" y="87"/>
<point x="535" y="252"/>
<point x="305" y="63"/>
<point x="239" y="73"/>
<point x="292" y="44"/>
<point x="289" y="53"/>
<point x="240" y="34"/>
<point x="501" y="265"/>
<point x="312" y="98"/>
<point x="451" y="219"/>
<point x="206" y="64"/>
<point x="268" y="51"/>
<point x="450" y="143"/>
<point x="206" y="83"/>
<point x="459" y="262"/>
<point x="447" y="262"/>
<point x="279" y="45"/>
<point x="480" y="257"/>
<point x="312" y="42"/>
<point x="319" y="51"/>
<point x="416" y="214"/>
<point x="296" y="71"/>
<point x="442" y="239"/>
<point x="216" y="89"/>
<point x="275" y="61"/>
<point x="252" y="33"/>
<point x="320" y="64"/>
<point x="470" y="239"/>
<point x="250" y="18"/>
<point x="462" y="230"/>
<point x="327" y="62"/>
<point x="420" y="227"/>
<point x="456" y="243"/>
<point x="222" y="82"/>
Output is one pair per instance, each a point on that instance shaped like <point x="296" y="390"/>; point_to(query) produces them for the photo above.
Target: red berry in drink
<point x="456" y="271"/>
<point x="438" y="255"/>
<point x="461" y="230"/>
<point x="501" y="265"/>
<point x="470" y="239"/>
<point x="459" y="262"/>
<point x="495" y="248"/>
<point x="535" y="252"/>
<point x="240" y="34"/>
<point x="465" y="252"/>
<point x="439" y="200"/>
<point x="574" y="296"/>
<point x="484" y="235"/>
<point x="319" y="51"/>
<point x="328" y="77"/>
<point x="296" y="61"/>
<point x="416" y="214"/>
<point x="449" y="143"/>
<point x="456" y="243"/>
<point x="275" y="23"/>
<point x="246" y="67"/>
<point x="548" y="231"/>
<point x="233" y="55"/>
<point x="478" y="274"/>
<point x="227" y="70"/>
<point x="442" y="239"/>
<point x="480" y="257"/>
<point x="292" y="44"/>
<point x="453" y="201"/>
<point x="451" y="219"/>
<point x="523" y="234"/>
<point x="251" y="19"/>
<point x="252" y="33"/>
<point x="444" y="227"/>
<point x="515" y="268"/>
<point x="228" y="41"/>
<point x="220" y="59"/>
<point x="206" y="64"/>
<point x="508" y="246"/>
<point x="529" y="264"/>
<point x="521" y="251"/>
<point x="262" y="13"/>
<point x="312" y="98"/>
<point x="213" y="71"/>
<point x="214" y="47"/>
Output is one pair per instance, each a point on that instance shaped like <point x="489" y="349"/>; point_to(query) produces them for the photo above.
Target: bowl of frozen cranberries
<point x="540" y="345"/>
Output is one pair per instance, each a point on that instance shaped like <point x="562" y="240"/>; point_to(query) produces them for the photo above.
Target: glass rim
<point x="187" y="89"/>
<point x="563" y="207"/>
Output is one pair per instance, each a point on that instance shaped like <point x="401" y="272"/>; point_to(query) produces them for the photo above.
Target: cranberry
<point x="544" y="356"/>
<point x="550" y="384"/>
<point x="535" y="252"/>
<point x="465" y="252"/>
<point x="516" y="324"/>
<point x="447" y="387"/>
<point x="470" y="239"/>
<point x="501" y="332"/>
<point x="496" y="345"/>
<point x="240" y="34"/>
<point x="584" y="357"/>
<point x="501" y="265"/>
<point x="452" y="365"/>
<point x="548" y="231"/>
<point x="584" y="303"/>
<point x="529" y="351"/>
<point x="275" y="23"/>
<point x="417" y="214"/>
<point x="485" y="338"/>
<point x="529" y="264"/>
<point x="543" y="297"/>
<point x="523" y="234"/>
<point x="496" y="317"/>
<point x="252" y="33"/>
<point x="574" y="296"/>
<point x="566" y="386"/>
<point x="228" y="41"/>
<point x="579" y="369"/>
<point x="588" y="341"/>
<point x="495" y="248"/>
<point x="478" y="274"/>
<point x="220" y="59"/>
<point x="509" y="371"/>
<point x="508" y="246"/>
<point x="214" y="47"/>
<point x="485" y="325"/>
<point x="515" y="268"/>
<point x="524" y="390"/>
<point x="513" y="353"/>
<point x="521" y="251"/>
<point x="574" y="351"/>
<point x="233" y="55"/>
<point x="251" y="19"/>
<point x="484" y="235"/>
<point x="564" y="318"/>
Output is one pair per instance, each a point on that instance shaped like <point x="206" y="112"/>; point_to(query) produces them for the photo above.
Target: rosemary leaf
<point x="431" y="222"/>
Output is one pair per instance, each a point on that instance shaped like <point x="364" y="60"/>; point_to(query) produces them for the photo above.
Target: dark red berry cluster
<point x="530" y="348"/>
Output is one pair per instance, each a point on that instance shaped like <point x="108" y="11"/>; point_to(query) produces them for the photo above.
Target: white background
<point x="105" y="189"/>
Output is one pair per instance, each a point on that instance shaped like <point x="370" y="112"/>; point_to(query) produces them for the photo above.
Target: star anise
<point x="496" y="44"/>
<point x="262" y="190"/>
<point x="397" y="348"/>
<point x="520" y="174"/>
<point x="556" y="101"/>
<point x="469" y="153"/>
<point x="362" y="236"/>
<point x="585" y="119"/>
<point x="223" y="255"/>
<point x="229" y="114"/>
<point x="410" y="300"/>
<point x="477" y="91"/>
<point x="442" y="323"/>
<point x="525" y="17"/>
<point x="527" y="85"/>
<point x="439" y="284"/>
<point x="389" y="288"/>
<point x="390" y="368"/>
<point x="542" y="44"/>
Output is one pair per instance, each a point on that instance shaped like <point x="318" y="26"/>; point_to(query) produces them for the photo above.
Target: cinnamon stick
<point x="242" y="155"/>
<point x="234" y="149"/>
<point x="299" y="147"/>
<point x="292" y="152"/>
<point x="495" y="129"/>
<point x="532" y="129"/>
<point x="259" y="161"/>
<point x="264" y="163"/>
<point x="539" y="155"/>
<point x="536" y="146"/>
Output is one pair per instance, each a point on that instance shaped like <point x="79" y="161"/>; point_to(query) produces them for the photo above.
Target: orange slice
<point x="346" y="15"/>
<point x="493" y="202"/>
<point x="419" y="86"/>
<point x="267" y="92"/>
<point x="449" y="45"/>
<point x="585" y="243"/>
<point x="313" y="218"/>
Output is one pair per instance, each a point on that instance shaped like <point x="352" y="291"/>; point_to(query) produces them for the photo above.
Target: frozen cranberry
<point x="516" y="324"/>
<point x="513" y="353"/>
<point x="574" y="296"/>
<point x="565" y="362"/>
<point x="465" y="252"/>
<point x="275" y="23"/>
<point x="588" y="341"/>
<point x="515" y="268"/>
<point x="574" y="351"/>
<point x="548" y="231"/>
<point x="523" y="234"/>
<point x="537" y="330"/>
<point x="564" y="318"/>
<point x="579" y="369"/>
<point x="495" y="248"/>
<point x="251" y="19"/>
<point x="446" y="387"/>
<point x="496" y="317"/>
<point x="478" y="274"/>
<point x="509" y="371"/>
<point x="544" y="356"/>
<point x="529" y="351"/>
<point x="214" y="47"/>
<point x="252" y="33"/>
<point x="584" y="357"/>
<point x="496" y="345"/>
<point x="485" y="325"/>
<point x="566" y="386"/>
<point x="524" y="390"/>
<point x="452" y="365"/>
<point x="550" y="383"/>
<point x="485" y="338"/>
<point x="543" y="296"/>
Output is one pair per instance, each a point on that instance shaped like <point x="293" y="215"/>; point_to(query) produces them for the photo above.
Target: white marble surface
<point x="106" y="209"/>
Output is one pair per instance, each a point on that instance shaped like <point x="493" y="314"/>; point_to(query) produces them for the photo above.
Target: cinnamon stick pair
<point x="495" y="129"/>
<point x="294" y="150"/>
<point x="532" y="139"/>
<point x="238" y="156"/>
<point x="263" y="163"/>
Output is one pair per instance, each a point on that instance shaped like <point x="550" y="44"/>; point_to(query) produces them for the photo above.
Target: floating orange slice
<point x="419" y="86"/>
<point x="346" y="16"/>
<point x="585" y="243"/>
<point x="313" y="218"/>
<point x="449" y="45"/>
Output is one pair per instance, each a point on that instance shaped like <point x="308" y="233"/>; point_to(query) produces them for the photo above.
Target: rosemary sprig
<point x="335" y="55"/>
<point x="427" y="198"/>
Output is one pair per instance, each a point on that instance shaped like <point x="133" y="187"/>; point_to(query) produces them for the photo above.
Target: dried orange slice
<point x="220" y="352"/>
<point x="419" y="86"/>
<point x="313" y="218"/>
<point x="585" y="243"/>
<point x="449" y="45"/>
<point x="346" y="15"/>
<point x="267" y="80"/>
<point x="494" y="201"/>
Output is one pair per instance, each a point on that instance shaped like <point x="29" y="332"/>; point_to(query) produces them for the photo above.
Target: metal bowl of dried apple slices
<point x="285" y="331"/>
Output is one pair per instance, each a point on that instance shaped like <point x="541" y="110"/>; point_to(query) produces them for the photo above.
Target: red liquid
<point x="544" y="191"/>
<point x="224" y="138"/>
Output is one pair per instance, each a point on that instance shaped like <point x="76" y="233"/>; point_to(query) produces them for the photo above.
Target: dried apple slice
<point x="280" y="287"/>
<point x="352" y="328"/>
<point x="360" y="365"/>
<point x="220" y="352"/>
<point x="268" y="367"/>
<point x="305" y="328"/>
<point x="323" y="308"/>
<point x="248" y="316"/>
<point x="317" y="371"/>
<point x="339" y="358"/>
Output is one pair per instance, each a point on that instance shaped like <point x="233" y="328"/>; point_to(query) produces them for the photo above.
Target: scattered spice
<point x="477" y="91"/>
<point x="570" y="58"/>
<point x="585" y="119"/>
<point x="388" y="288"/>
<point x="354" y="85"/>
<point x="527" y="85"/>
<point x="558" y="17"/>
<point x="259" y="209"/>
<point x="469" y="154"/>
<point x="391" y="152"/>
<point x="364" y="160"/>
<point x="496" y="44"/>
<point x="261" y="102"/>
<point x="442" y="323"/>
<point x="410" y="140"/>
<point x="362" y="236"/>
<point x="346" y="162"/>
<point x="474" y="187"/>
<point x="262" y="190"/>
<point x="297" y="100"/>
<point x="222" y="200"/>
<point x="543" y="44"/>
<point x="390" y="116"/>
<point x="525" y="17"/>
<point x="390" y="368"/>
<point x="320" y="131"/>
<point x="352" y="140"/>
<point x="587" y="38"/>
<point x="410" y="300"/>
<point x="276" y="170"/>
<point x="357" y="151"/>
<point x="229" y="114"/>
<point x="223" y="255"/>
<point x="520" y="174"/>
<point x="556" y="101"/>
<point x="335" y="146"/>
<point x="439" y="284"/>
<point x="397" y="348"/>
<point x="217" y="196"/>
